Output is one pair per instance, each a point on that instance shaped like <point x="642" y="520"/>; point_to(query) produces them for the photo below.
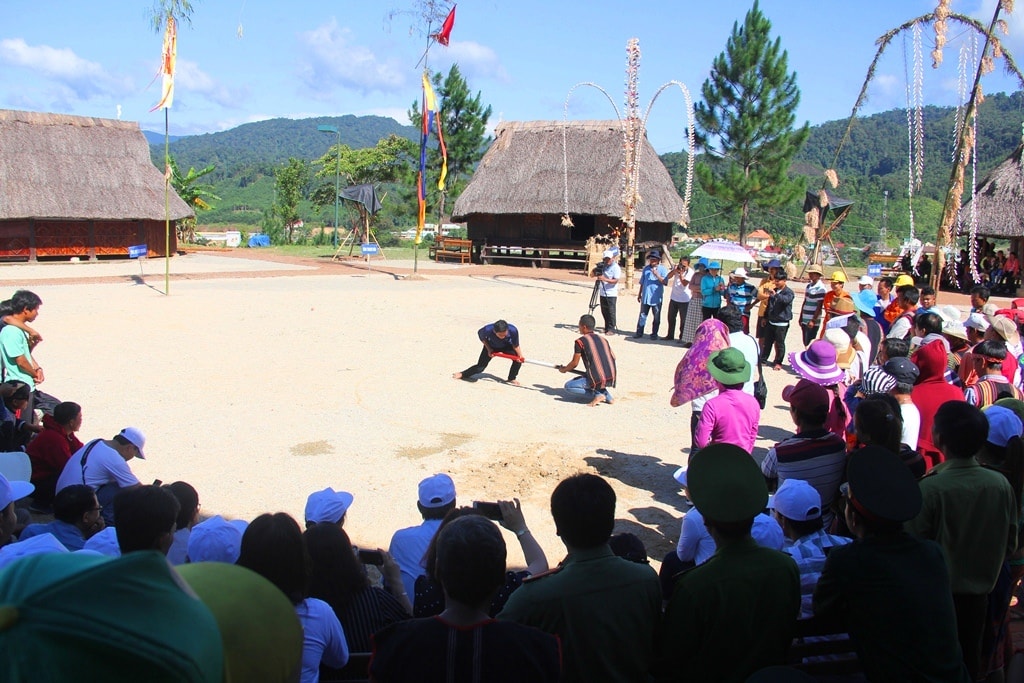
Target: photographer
<point x="607" y="274"/>
<point x="429" y="596"/>
<point x="680" y="296"/>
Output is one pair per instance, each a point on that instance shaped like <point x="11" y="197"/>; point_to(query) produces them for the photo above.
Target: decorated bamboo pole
<point x="632" y="132"/>
<point x="964" y="142"/>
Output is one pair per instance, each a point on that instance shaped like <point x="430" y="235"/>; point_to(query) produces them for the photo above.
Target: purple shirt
<point x="731" y="417"/>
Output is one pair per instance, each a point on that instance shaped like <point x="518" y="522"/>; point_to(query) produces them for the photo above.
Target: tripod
<point x="595" y="296"/>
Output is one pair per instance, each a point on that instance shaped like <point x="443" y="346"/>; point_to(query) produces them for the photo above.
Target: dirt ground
<point x="260" y="381"/>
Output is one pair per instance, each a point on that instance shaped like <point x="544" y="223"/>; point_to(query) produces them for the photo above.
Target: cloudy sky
<point x="248" y="60"/>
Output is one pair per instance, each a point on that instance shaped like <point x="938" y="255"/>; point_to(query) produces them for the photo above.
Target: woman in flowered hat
<point x="818" y="364"/>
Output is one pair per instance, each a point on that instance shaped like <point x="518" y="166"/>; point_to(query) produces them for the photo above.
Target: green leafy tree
<point x="390" y="160"/>
<point x="181" y="10"/>
<point x="464" y="126"/>
<point x="194" y="193"/>
<point x="291" y="180"/>
<point x="745" y="122"/>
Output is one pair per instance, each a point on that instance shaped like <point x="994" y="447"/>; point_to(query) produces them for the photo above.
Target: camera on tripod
<point x="598" y="270"/>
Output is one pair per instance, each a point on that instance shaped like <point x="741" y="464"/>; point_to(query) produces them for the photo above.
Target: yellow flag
<point x="167" y="63"/>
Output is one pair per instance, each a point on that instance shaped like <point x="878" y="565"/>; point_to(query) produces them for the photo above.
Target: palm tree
<point x="194" y="194"/>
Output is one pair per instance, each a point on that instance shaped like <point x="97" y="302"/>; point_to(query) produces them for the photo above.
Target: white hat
<point x="11" y="491"/>
<point x="608" y="253"/>
<point x="680" y="475"/>
<point x="215" y="540"/>
<point x="327" y="505"/>
<point x="135" y="437"/>
<point x="104" y="542"/>
<point x="739" y="272"/>
<point x="949" y="313"/>
<point x="436" y="491"/>
<point x="797" y="500"/>
<point x="37" y="545"/>
<point x="866" y="280"/>
<point x="977" y="321"/>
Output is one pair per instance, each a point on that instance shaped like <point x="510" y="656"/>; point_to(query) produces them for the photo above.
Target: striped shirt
<point x="370" y="610"/>
<point x="741" y="295"/>
<point x="809" y="553"/>
<point x="814" y="295"/>
<point x="598" y="359"/>
<point x="817" y="457"/>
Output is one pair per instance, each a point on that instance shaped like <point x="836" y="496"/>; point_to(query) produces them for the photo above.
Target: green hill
<point x="873" y="161"/>
<point x="245" y="157"/>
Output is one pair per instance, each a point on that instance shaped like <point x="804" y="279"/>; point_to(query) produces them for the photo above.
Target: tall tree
<point x="390" y="160"/>
<point x="746" y="122"/>
<point x="291" y="180"/>
<point x="464" y="126"/>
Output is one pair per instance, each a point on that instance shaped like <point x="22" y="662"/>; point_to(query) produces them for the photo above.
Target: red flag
<point x="446" y="28"/>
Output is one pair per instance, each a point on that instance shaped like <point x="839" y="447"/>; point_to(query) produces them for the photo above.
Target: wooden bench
<point x="535" y="255"/>
<point x="823" y="648"/>
<point x="451" y="247"/>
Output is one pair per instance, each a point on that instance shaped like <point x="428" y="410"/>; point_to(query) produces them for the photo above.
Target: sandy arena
<point x="261" y="381"/>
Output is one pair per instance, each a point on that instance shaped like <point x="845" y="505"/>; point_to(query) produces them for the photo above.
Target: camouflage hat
<point x="725" y="483"/>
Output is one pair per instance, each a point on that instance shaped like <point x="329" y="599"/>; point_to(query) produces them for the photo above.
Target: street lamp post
<point x="337" y="176"/>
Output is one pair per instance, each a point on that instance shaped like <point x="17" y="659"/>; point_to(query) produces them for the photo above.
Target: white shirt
<point x="911" y="425"/>
<point x="696" y="545"/>
<point x="613" y="272"/>
<point x="103" y="466"/>
<point x="322" y="639"/>
<point x="681" y="292"/>
<point x="408" y="546"/>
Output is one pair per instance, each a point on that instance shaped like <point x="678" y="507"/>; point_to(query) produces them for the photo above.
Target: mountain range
<point x="873" y="162"/>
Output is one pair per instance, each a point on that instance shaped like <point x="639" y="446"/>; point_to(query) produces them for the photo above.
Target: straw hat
<point x="841" y="341"/>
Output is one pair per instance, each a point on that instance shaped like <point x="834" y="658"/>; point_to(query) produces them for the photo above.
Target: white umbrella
<point x="723" y="250"/>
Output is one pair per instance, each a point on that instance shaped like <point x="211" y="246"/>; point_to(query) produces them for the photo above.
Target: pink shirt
<point x="731" y="417"/>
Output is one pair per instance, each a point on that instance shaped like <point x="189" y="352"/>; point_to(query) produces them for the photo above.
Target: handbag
<point x="760" y="388"/>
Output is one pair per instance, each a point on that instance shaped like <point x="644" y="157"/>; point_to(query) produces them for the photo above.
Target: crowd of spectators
<point x="892" y="512"/>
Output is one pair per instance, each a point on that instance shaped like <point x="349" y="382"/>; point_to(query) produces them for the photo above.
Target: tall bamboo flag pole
<point x="167" y="63"/>
<point x="428" y="117"/>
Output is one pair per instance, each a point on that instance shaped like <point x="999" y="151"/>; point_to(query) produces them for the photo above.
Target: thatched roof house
<point x="516" y="195"/>
<point x="79" y="186"/>
<point x="999" y="200"/>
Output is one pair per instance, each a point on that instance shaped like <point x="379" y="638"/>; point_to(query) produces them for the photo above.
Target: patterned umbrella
<point x="723" y="250"/>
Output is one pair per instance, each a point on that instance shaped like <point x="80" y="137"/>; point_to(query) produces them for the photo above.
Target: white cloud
<point x="331" y="59"/>
<point x="888" y="84"/>
<point x="190" y="78"/>
<point x="397" y="113"/>
<point x="474" y="60"/>
<point x="81" y="77"/>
